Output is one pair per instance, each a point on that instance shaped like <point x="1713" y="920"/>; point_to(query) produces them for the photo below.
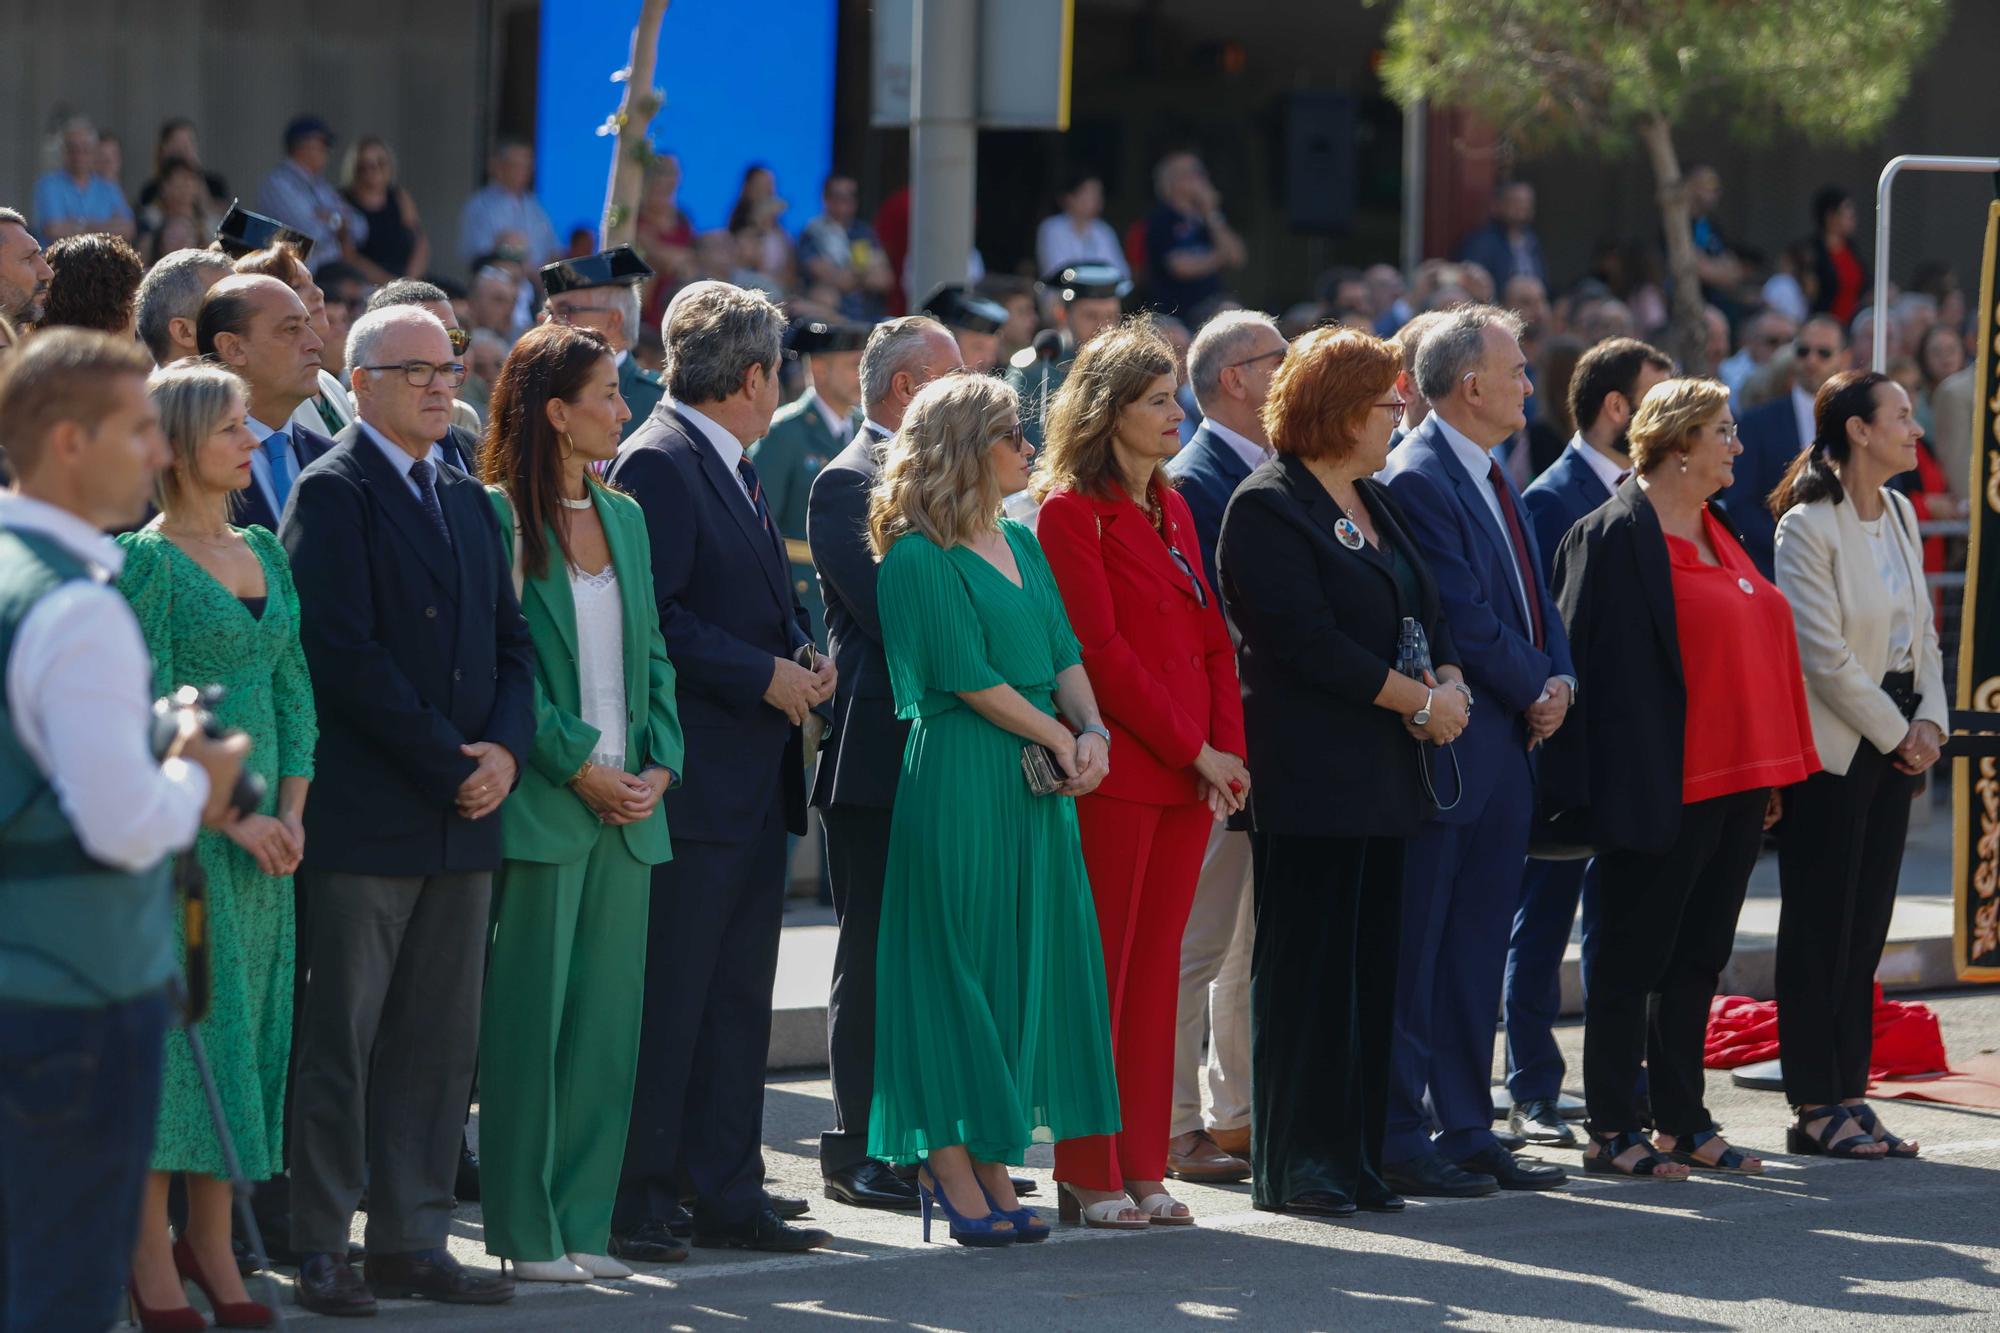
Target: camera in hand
<point x="247" y="796"/>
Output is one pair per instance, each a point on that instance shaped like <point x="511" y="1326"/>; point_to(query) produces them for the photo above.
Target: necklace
<point x="214" y="539"/>
<point x="568" y="503"/>
<point x="1346" y="529"/>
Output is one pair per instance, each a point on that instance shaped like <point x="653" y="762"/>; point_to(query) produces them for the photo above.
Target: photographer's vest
<point x="73" y="931"/>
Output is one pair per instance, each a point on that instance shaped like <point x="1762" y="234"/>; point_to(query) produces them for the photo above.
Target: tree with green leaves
<point x="1597" y="74"/>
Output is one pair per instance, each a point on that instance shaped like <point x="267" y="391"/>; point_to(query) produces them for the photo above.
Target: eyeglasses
<point x="1015" y="439"/>
<point x="421" y="373"/>
<point x="1817" y="353"/>
<point x="1726" y="429"/>
<point x="1396" y="410"/>
<point x="460" y="340"/>
<point x="1278" y="353"/>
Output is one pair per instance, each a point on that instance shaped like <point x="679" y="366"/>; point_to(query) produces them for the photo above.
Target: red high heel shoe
<point x="180" y="1319"/>
<point x="228" y="1314"/>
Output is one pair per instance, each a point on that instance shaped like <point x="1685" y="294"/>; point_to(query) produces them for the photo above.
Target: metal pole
<point x="1897" y="166"/>
<point x="1416" y="164"/>
<point x="944" y="141"/>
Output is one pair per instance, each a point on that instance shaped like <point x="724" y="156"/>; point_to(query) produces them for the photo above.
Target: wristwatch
<point x="1097" y="729"/>
<point x="1422" y="717"/>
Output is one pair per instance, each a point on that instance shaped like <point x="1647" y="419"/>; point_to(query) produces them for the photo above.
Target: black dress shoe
<point x="1431" y="1177"/>
<point x="765" y="1231"/>
<point x="1384" y="1202"/>
<point x="1512" y="1173"/>
<point x="785" y="1207"/>
<point x="330" y="1286"/>
<point x="679" y="1221"/>
<point x="467" y="1186"/>
<point x="1540" y="1121"/>
<point x="650" y="1243"/>
<point x="1509" y="1140"/>
<point x="870" y="1184"/>
<point x="433" y="1275"/>
<point x="1312" y="1203"/>
<point x="1024" y="1184"/>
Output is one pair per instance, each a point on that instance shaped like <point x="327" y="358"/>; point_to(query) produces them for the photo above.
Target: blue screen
<point x="743" y="84"/>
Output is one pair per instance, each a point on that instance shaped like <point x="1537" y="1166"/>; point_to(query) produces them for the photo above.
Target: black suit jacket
<point x="1316" y="627"/>
<point x="726" y="610"/>
<point x="416" y="647"/>
<point x="1770" y="436"/>
<point x="308" y="446"/>
<point x="865" y="757"/>
<point x="1611" y="777"/>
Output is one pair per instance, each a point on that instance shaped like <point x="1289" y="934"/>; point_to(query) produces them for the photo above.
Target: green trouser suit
<point x="559" y="1034"/>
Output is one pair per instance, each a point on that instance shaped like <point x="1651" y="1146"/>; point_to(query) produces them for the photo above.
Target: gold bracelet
<point x="581" y="773"/>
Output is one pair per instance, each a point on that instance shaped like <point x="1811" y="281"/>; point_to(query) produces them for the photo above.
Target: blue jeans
<point x="79" y="1096"/>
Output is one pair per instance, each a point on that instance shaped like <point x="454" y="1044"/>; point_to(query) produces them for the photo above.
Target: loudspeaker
<point x="1319" y="161"/>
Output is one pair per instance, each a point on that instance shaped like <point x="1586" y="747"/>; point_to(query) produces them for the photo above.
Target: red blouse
<point x="1747" y="724"/>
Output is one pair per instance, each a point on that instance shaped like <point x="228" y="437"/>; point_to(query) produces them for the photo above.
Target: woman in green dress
<point x="991" y="1024"/>
<point x="559" y="1034"/>
<point x="217" y="607"/>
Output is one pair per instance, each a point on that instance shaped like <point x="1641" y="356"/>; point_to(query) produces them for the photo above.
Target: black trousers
<point x="705" y="1038"/>
<point x="1666" y="926"/>
<point x="857" y="857"/>
<point x="1838" y="862"/>
<point x="1322" y="1006"/>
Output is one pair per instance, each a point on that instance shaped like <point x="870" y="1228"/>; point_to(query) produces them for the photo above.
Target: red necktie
<point x="1522" y="561"/>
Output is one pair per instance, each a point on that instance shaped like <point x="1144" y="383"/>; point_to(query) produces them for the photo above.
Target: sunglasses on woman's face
<point x="1015" y="439"/>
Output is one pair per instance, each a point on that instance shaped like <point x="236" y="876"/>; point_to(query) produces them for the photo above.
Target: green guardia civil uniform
<point x="1026" y="376"/>
<point x="641" y="389"/>
<point x="789" y="456"/>
<point x="559" y="1031"/>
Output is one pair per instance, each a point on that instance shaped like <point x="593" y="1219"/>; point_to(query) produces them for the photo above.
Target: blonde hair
<point x="1671" y="411"/>
<point x="192" y="400"/>
<point x="1111" y="373"/>
<point x="938" y="479"/>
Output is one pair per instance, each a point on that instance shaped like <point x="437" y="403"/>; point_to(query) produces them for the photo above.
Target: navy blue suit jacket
<point x="1564" y="493"/>
<point x="1207" y="472"/>
<point x="416" y="647"/>
<point x="726" y="610"/>
<point x="255" y="507"/>
<point x="1473" y="562"/>
<point x="1770" y="436"/>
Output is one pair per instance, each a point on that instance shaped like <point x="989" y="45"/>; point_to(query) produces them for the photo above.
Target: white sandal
<point x="601" y="1266"/>
<point x="1103" y="1214"/>
<point x="1159" y="1211"/>
<point x="549" y="1270"/>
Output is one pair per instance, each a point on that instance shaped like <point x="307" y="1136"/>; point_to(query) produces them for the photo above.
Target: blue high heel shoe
<point x="1028" y="1224"/>
<point x="975" y="1231"/>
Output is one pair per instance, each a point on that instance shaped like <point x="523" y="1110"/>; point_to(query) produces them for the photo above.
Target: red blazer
<point x="1160" y="661"/>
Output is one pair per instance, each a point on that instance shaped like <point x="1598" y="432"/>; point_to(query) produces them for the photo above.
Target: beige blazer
<point x="1841" y="610"/>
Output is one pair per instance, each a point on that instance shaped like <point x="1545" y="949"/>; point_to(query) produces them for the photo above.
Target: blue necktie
<point x="748" y="471"/>
<point x="421" y="473"/>
<point x="278" y="452"/>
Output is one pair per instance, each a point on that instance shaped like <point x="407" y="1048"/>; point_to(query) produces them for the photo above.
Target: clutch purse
<point x="1038" y="765"/>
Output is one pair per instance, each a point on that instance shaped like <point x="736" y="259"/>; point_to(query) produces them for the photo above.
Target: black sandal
<point x="1610" y="1147"/>
<point x="1822" y="1143"/>
<point x="1864" y="1116"/>
<point x="1731" y="1162"/>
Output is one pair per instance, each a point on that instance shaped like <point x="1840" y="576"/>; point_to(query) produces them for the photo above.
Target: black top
<point x="390" y="241"/>
<point x="254" y="605"/>
<point x="1316" y="626"/>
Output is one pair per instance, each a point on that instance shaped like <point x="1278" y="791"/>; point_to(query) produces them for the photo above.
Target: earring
<point x="569" y="448"/>
<point x="1684" y="462"/>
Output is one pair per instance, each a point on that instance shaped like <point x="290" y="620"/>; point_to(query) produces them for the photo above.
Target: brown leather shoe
<point x="1195" y="1156"/>
<point x="1235" y="1142"/>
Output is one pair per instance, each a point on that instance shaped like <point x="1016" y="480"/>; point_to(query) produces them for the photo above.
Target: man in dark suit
<point x="1773" y="433"/>
<point x="1231" y="364"/>
<point x="1610" y="380"/>
<point x="855" y="788"/>
<point x="735" y="631"/>
<point x="423" y="675"/>
<point x="1462" y="873"/>
<point x="459" y="445"/>
<point x="258" y="328"/>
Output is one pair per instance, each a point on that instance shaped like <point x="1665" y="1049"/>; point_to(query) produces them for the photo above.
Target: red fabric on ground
<point x="1974" y="1083"/>
<point x="1742" y="1031"/>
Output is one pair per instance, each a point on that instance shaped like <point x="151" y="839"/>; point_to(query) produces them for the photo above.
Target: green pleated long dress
<point x="991" y="1026"/>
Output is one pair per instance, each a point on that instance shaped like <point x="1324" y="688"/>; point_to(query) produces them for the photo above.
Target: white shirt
<point x="1607" y="469"/>
<point x="1057" y="245"/>
<point x="1478" y="464"/>
<point x="1247" y="449"/>
<point x="1895" y="572"/>
<point x="600" y="660"/>
<point x="260" y="462"/>
<point x="79" y="689"/>
<point x="726" y="445"/>
<point x="399" y="458"/>
<point x="1802" y="405"/>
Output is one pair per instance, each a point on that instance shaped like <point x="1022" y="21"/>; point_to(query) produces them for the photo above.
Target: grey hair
<point x="13" y="215"/>
<point x="192" y="399"/>
<point x="1455" y="345"/>
<point x="894" y="347"/>
<point x="371" y="328"/>
<point x="173" y="290"/>
<point x="627" y="301"/>
<point x="714" y="333"/>
<point x="1221" y="341"/>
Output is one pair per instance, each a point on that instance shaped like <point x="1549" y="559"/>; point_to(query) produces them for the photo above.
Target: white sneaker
<point x="550" y="1270"/>
<point x="598" y="1265"/>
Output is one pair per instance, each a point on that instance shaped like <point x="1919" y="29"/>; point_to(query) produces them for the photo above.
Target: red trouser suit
<point x="1161" y="664"/>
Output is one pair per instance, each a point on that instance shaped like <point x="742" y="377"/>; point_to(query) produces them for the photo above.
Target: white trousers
<point x="1215" y="989"/>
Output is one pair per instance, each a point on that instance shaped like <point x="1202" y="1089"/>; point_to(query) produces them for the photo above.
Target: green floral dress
<point x="201" y="634"/>
<point x="992" y="1024"/>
